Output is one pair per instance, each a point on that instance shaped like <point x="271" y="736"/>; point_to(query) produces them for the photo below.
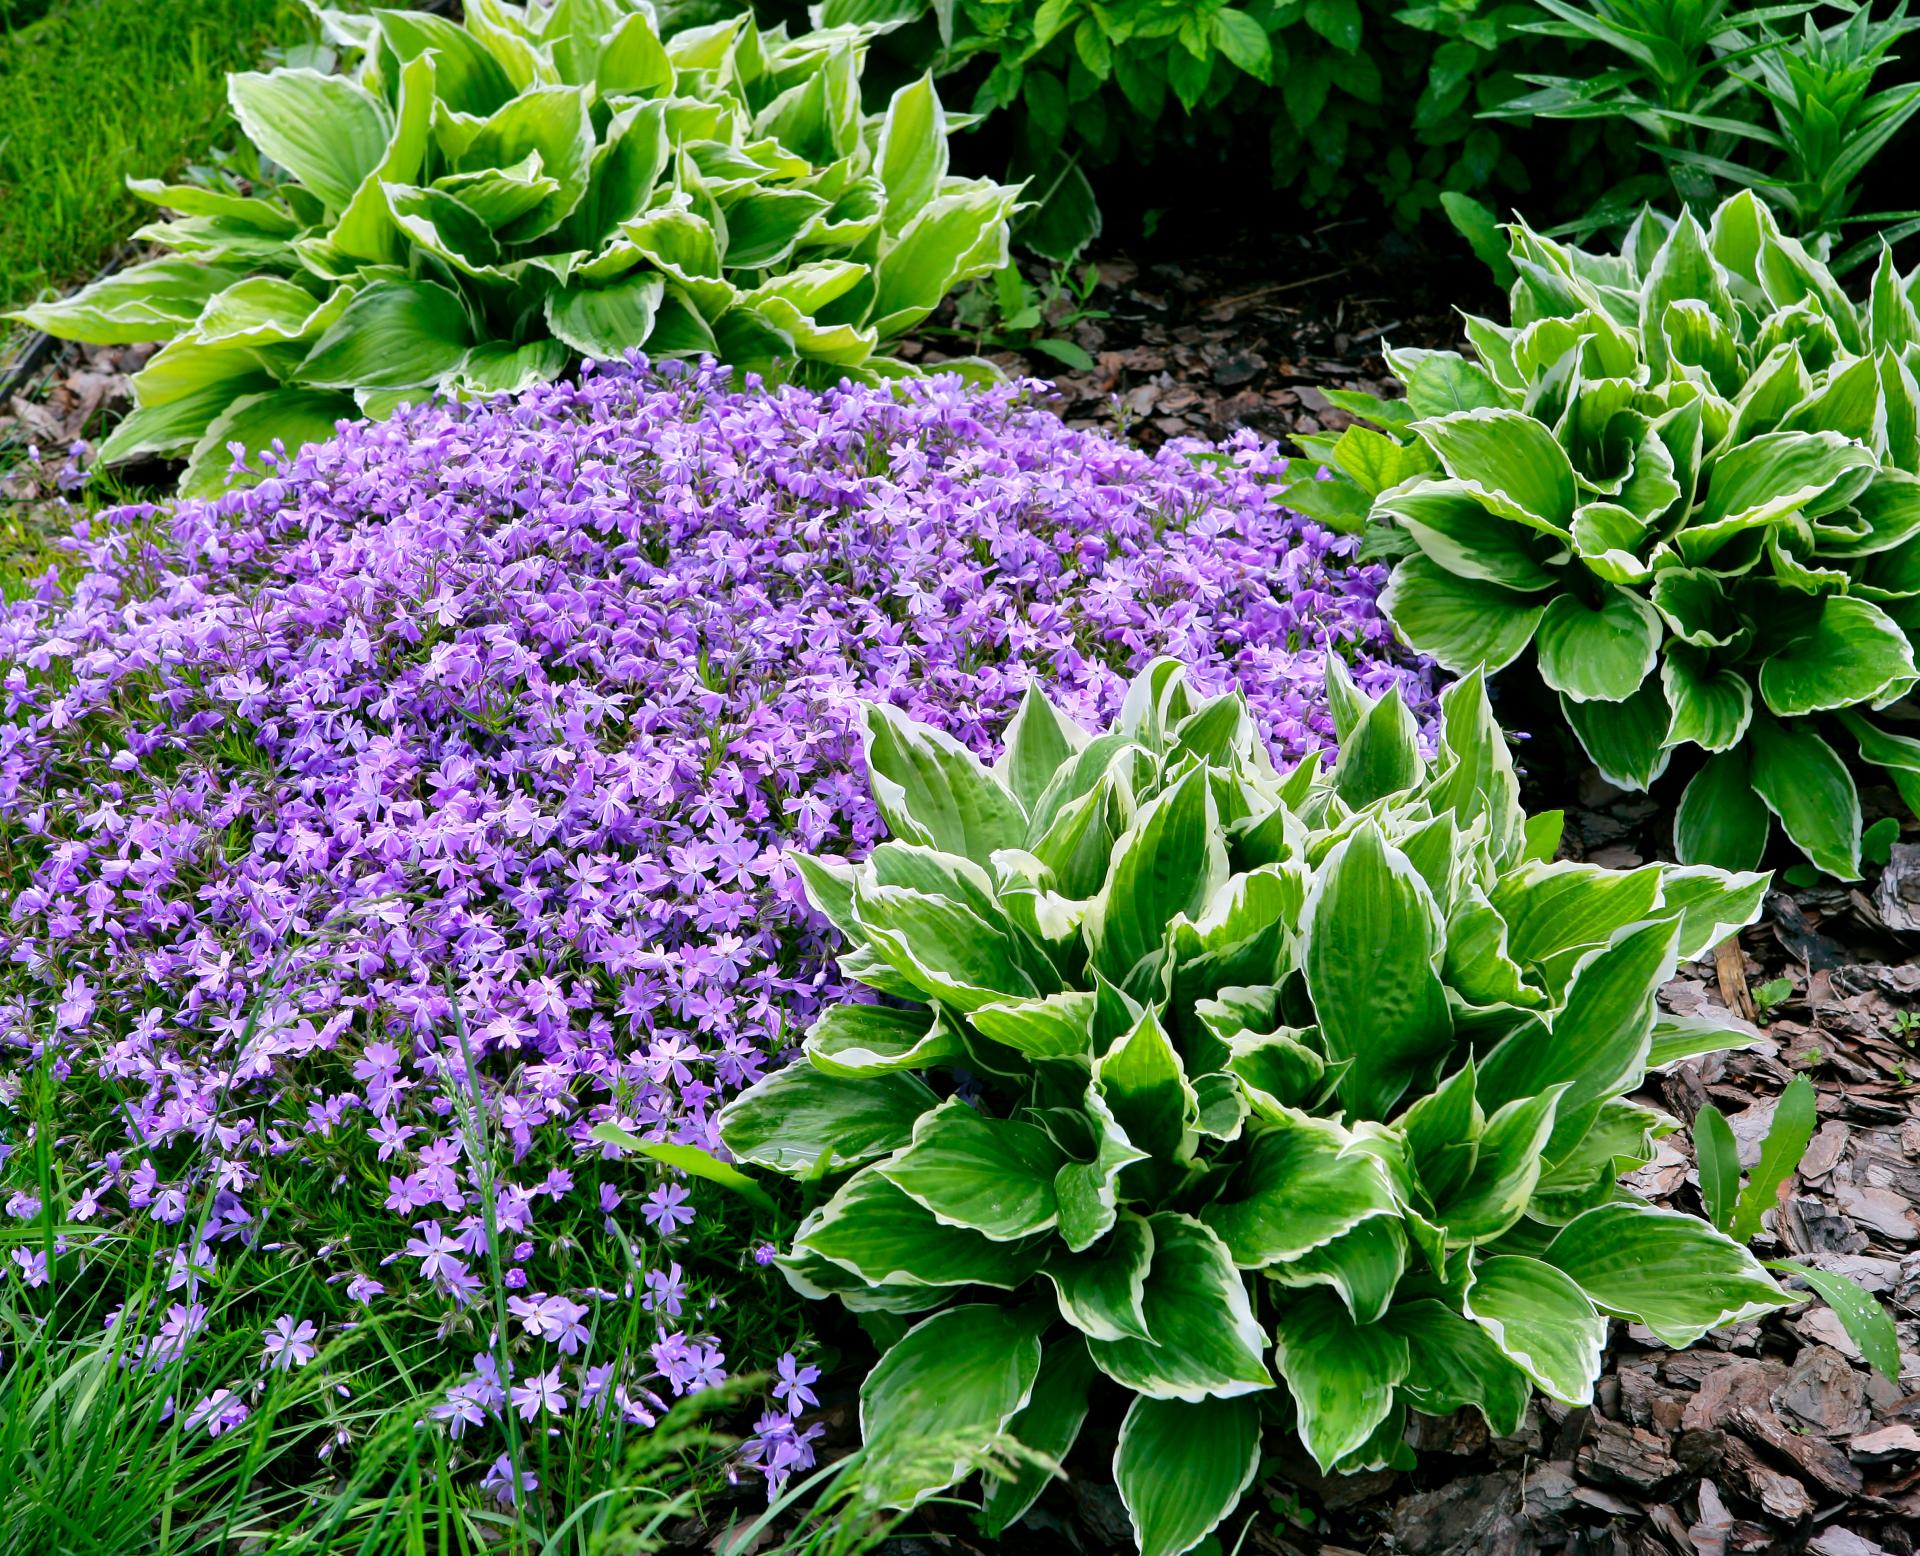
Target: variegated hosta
<point x="1198" y="1089"/>
<point x="1686" y="475"/>
<point x="471" y="207"/>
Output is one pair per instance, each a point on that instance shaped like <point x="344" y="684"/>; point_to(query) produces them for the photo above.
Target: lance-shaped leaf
<point x="1087" y="1190"/>
<point x="1142" y="1082"/>
<point x="1047" y="1424"/>
<point x="1342" y="1375"/>
<point x="1181" y="1468"/>
<point x="1170" y="861"/>
<point x="1102" y="1292"/>
<point x="1453" y="1363"/>
<point x="1508" y="1159"/>
<point x="992" y="1175"/>
<point x="1362" y="1267"/>
<point x="1807" y="786"/>
<point x="874" y="1231"/>
<point x="942" y="947"/>
<point x="1303" y="1184"/>
<point x="793" y="1119"/>
<point x="857" y="1040"/>
<point x="931" y="789"/>
<point x="1372" y="934"/>
<point x="1542" y="1322"/>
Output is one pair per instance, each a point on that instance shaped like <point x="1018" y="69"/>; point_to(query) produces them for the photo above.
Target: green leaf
<point x="1181" y="1468"/>
<point x="988" y="1174"/>
<point x="1806" y="785"/>
<point x="950" y="1387"/>
<point x="956" y="237"/>
<point x="1301" y="1185"/>
<point x="1039" y="741"/>
<point x="1507" y="1165"/>
<point x="911" y="158"/>
<point x="1866" y="1322"/>
<point x="1452" y="1364"/>
<point x="689" y="1159"/>
<point x="1047" y="1424"/>
<point x="1481" y="228"/>
<point x="1342" y="1375"/>
<point x="392" y="335"/>
<point x="1102" y="1292"/>
<point x="292" y="418"/>
<point x="1206" y="1342"/>
<point x="1767" y="480"/>
<point x="1372" y="937"/>
<point x="1852" y="653"/>
<point x="1709" y="708"/>
<point x="1454" y="529"/>
<point x="1719" y="1162"/>
<point x="1625" y="740"/>
<point x="942" y="947"/>
<point x="1598" y="655"/>
<point x="1170" y="861"/>
<point x="149" y="302"/>
<point x="1057" y="1027"/>
<point x="1507" y="460"/>
<point x="860" y="1040"/>
<point x="931" y="789"/>
<point x="796" y="1118"/>
<point x="1087" y="1190"/>
<point x="325" y="130"/>
<point x="1381" y="755"/>
<point x="874" y="1231"/>
<point x="1794" y="1117"/>
<point x="1463" y="623"/>
<point x="554" y="122"/>
<point x="1676" y="1275"/>
<point x="1721" y="821"/>
<point x="1363" y="1267"/>
<point x="605" y="322"/>
<point x="1542" y="1322"/>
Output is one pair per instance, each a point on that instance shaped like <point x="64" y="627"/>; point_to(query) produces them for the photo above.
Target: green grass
<point x="98" y="90"/>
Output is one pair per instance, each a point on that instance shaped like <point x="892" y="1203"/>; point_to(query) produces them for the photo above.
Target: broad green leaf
<point x="1685" y="1037"/>
<point x="861" y="1040"/>
<point x="1206" y="1341"/>
<point x="1381" y="756"/>
<point x="1463" y="623"/>
<point x="1057" y="1027"/>
<point x="1372" y="936"/>
<point x="1170" y="861"/>
<point x="1087" y="1190"/>
<point x="1142" y="1082"/>
<point x="1721" y="821"/>
<point x="1455" y="530"/>
<point x="291" y="418"/>
<point x="1362" y="1267"/>
<point x="1507" y="460"/>
<point x="874" y="1231"/>
<point x="1806" y="785"/>
<point x="1039" y="741"/>
<point x="1768" y="480"/>
<point x="1708" y="708"/>
<point x="1303" y="1184"/>
<point x="1664" y="1269"/>
<point x="1626" y="740"/>
<point x="1481" y="783"/>
<point x="1047" y="1424"/>
<point x="1718" y="1159"/>
<point x="911" y="157"/>
<point x="931" y="789"/>
<point x="1507" y="1164"/>
<point x="1866" y="1322"/>
<point x="942" y="947"/>
<point x="991" y="1175"/>
<point x="956" y="237"/>
<point x="1452" y="1363"/>
<point x="957" y="1381"/>
<point x="1181" y="1468"/>
<point x="1852" y="653"/>
<point x="1794" y="1117"/>
<point x="1342" y="1375"/>
<point x="392" y="335"/>
<point x="554" y="122"/>
<point x="796" y="1117"/>
<point x="1102" y="1292"/>
<point x="1598" y="655"/>
<point x="1542" y="1322"/>
<point x="605" y="322"/>
<point x="325" y="130"/>
<point x="149" y="302"/>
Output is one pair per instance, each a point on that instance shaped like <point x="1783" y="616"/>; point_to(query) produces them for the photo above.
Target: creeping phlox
<point x="379" y="832"/>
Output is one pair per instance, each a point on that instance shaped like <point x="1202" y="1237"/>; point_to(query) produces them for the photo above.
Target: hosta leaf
<point x="956" y="237"/>
<point x="1087" y="1190"/>
<point x="861" y="1040"/>
<point x="1721" y="820"/>
<point x="1664" y="1269"/>
<point x="957" y="1380"/>
<point x="1712" y="903"/>
<point x="149" y="302"/>
<point x="931" y="789"/>
<point x="1181" y="1468"/>
<point x="1047" y="1424"/>
<point x="1806" y="785"/>
<point x="291" y="418"/>
<point x="1102" y="1292"/>
<point x="1626" y="740"/>
<point x="991" y="1175"/>
<point x="797" y="1116"/>
<point x="1301" y="1186"/>
<point x="1507" y="460"/>
<point x="1462" y="623"/>
<point x="554" y="122"/>
<point x="1381" y="755"/>
<point x="942" y="947"/>
<point x="911" y="157"/>
<point x="1170" y="861"/>
<point x="392" y="335"/>
<point x="1342" y="1375"/>
<point x="1373" y="934"/>
<point x="1542" y="1322"/>
<point x="325" y="130"/>
<point x="1598" y="655"/>
<point x="1852" y="653"/>
<point x="874" y="1231"/>
<point x="1362" y="1267"/>
<point x="1507" y="1164"/>
<point x="1708" y="708"/>
<point x="1767" y="480"/>
<point x="605" y="321"/>
<point x="1057" y="1027"/>
<point x="1039" y="741"/>
<point x="1141" y="1080"/>
<point x="1452" y="1363"/>
<point x="1206" y="1342"/>
<point x="1457" y="532"/>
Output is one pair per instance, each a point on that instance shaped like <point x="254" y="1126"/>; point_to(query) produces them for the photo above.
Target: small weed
<point x="1006" y="313"/>
<point x="1770" y="996"/>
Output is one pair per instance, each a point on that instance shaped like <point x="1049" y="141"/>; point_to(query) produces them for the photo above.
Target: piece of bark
<point x="1723" y="1388"/>
<point x="1886" y="1441"/>
<point x="1709" y="1531"/>
<point x="1823" y="1391"/>
<point x="1632" y="1456"/>
<point x="1729" y="968"/>
<point x="1812" y="1458"/>
<point x="1837" y="1540"/>
<point x="1776" y="1494"/>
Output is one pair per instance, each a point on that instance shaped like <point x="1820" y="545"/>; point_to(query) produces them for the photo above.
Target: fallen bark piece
<point x="1886" y="1441"/>
<point x="1836" y="1540"/>
<point x="1815" y="1458"/>
<point x="1824" y="1391"/>
<point x="1616" y="1455"/>
<point x="1777" y="1495"/>
<point x="1709" y="1531"/>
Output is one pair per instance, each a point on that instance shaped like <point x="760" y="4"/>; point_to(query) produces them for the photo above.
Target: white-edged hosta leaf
<point x="858" y="1040"/>
<point x="1507" y="1164"/>
<point x="1060" y="1026"/>
<point x="945" y="949"/>
<point x="1807" y="786"/>
<point x="149" y="302"/>
<point x="605" y="322"/>
<point x="1853" y="653"/>
<point x="1462" y="623"/>
<point x="328" y="131"/>
<point x="1181" y="1468"/>
<point x="1143" y="1083"/>
<point x="1362" y="1267"/>
<point x="1707" y="707"/>
<point x="1601" y="655"/>
<point x="951" y="1384"/>
<point x="1342" y="1375"/>
<point x="991" y="1175"/>
<point x="291" y="418"/>
<point x="1625" y="740"/>
<point x="931" y="789"/>
<point x="794" y="1117"/>
<point x="1206" y="1341"/>
<point x="1509" y="461"/>
<point x="1039" y="739"/>
<point x="1662" y="1268"/>
<point x="1302" y="1184"/>
<point x="1102" y="1292"/>
<point x="1542" y="1322"/>
<point x="1170" y="861"/>
<point x="1452" y="1363"/>
<point x="875" y="1232"/>
<point x="1047" y="1424"/>
<point x="1456" y="531"/>
<point x="1087" y="1191"/>
<point x="392" y="335"/>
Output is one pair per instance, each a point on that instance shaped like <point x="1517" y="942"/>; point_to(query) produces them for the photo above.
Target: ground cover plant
<point x="1685" y="476"/>
<point x="1245" y="1081"/>
<point x="473" y="207"/>
<point x="94" y="93"/>
<point x="377" y="833"/>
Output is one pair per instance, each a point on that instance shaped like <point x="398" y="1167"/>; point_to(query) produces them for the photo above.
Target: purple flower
<point x="500" y="1482"/>
<point x="288" y="1344"/>
<point x="220" y="1411"/>
<point x="666" y="1209"/>
<point x="542" y="1392"/>
<point x="794" y="1390"/>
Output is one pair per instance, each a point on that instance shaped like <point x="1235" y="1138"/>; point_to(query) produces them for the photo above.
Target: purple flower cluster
<point x="478" y="735"/>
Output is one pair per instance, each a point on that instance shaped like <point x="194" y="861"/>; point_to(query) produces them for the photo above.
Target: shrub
<point x="475" y="205"/>
<point x="452" y="765"/>
<point x="1685" y="474"/>
<point x="1240" y="1081"/>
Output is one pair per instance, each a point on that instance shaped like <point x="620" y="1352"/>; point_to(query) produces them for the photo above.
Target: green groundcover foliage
<point x="1685" y="475"/>
<point x="1224" y="1098"/>
<point x="473" y="206"/>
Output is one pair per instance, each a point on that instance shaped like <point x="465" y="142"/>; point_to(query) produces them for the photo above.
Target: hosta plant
<point x="1197" y="1096"/>
<point x="1685" y="475"/>
<point x="470" y="207"/>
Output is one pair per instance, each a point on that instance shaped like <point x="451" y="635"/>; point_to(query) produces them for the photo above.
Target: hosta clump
<point x="473" y="206"/>
<point x="1686" y="474"/>
<point x="1213" y="1095"/>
